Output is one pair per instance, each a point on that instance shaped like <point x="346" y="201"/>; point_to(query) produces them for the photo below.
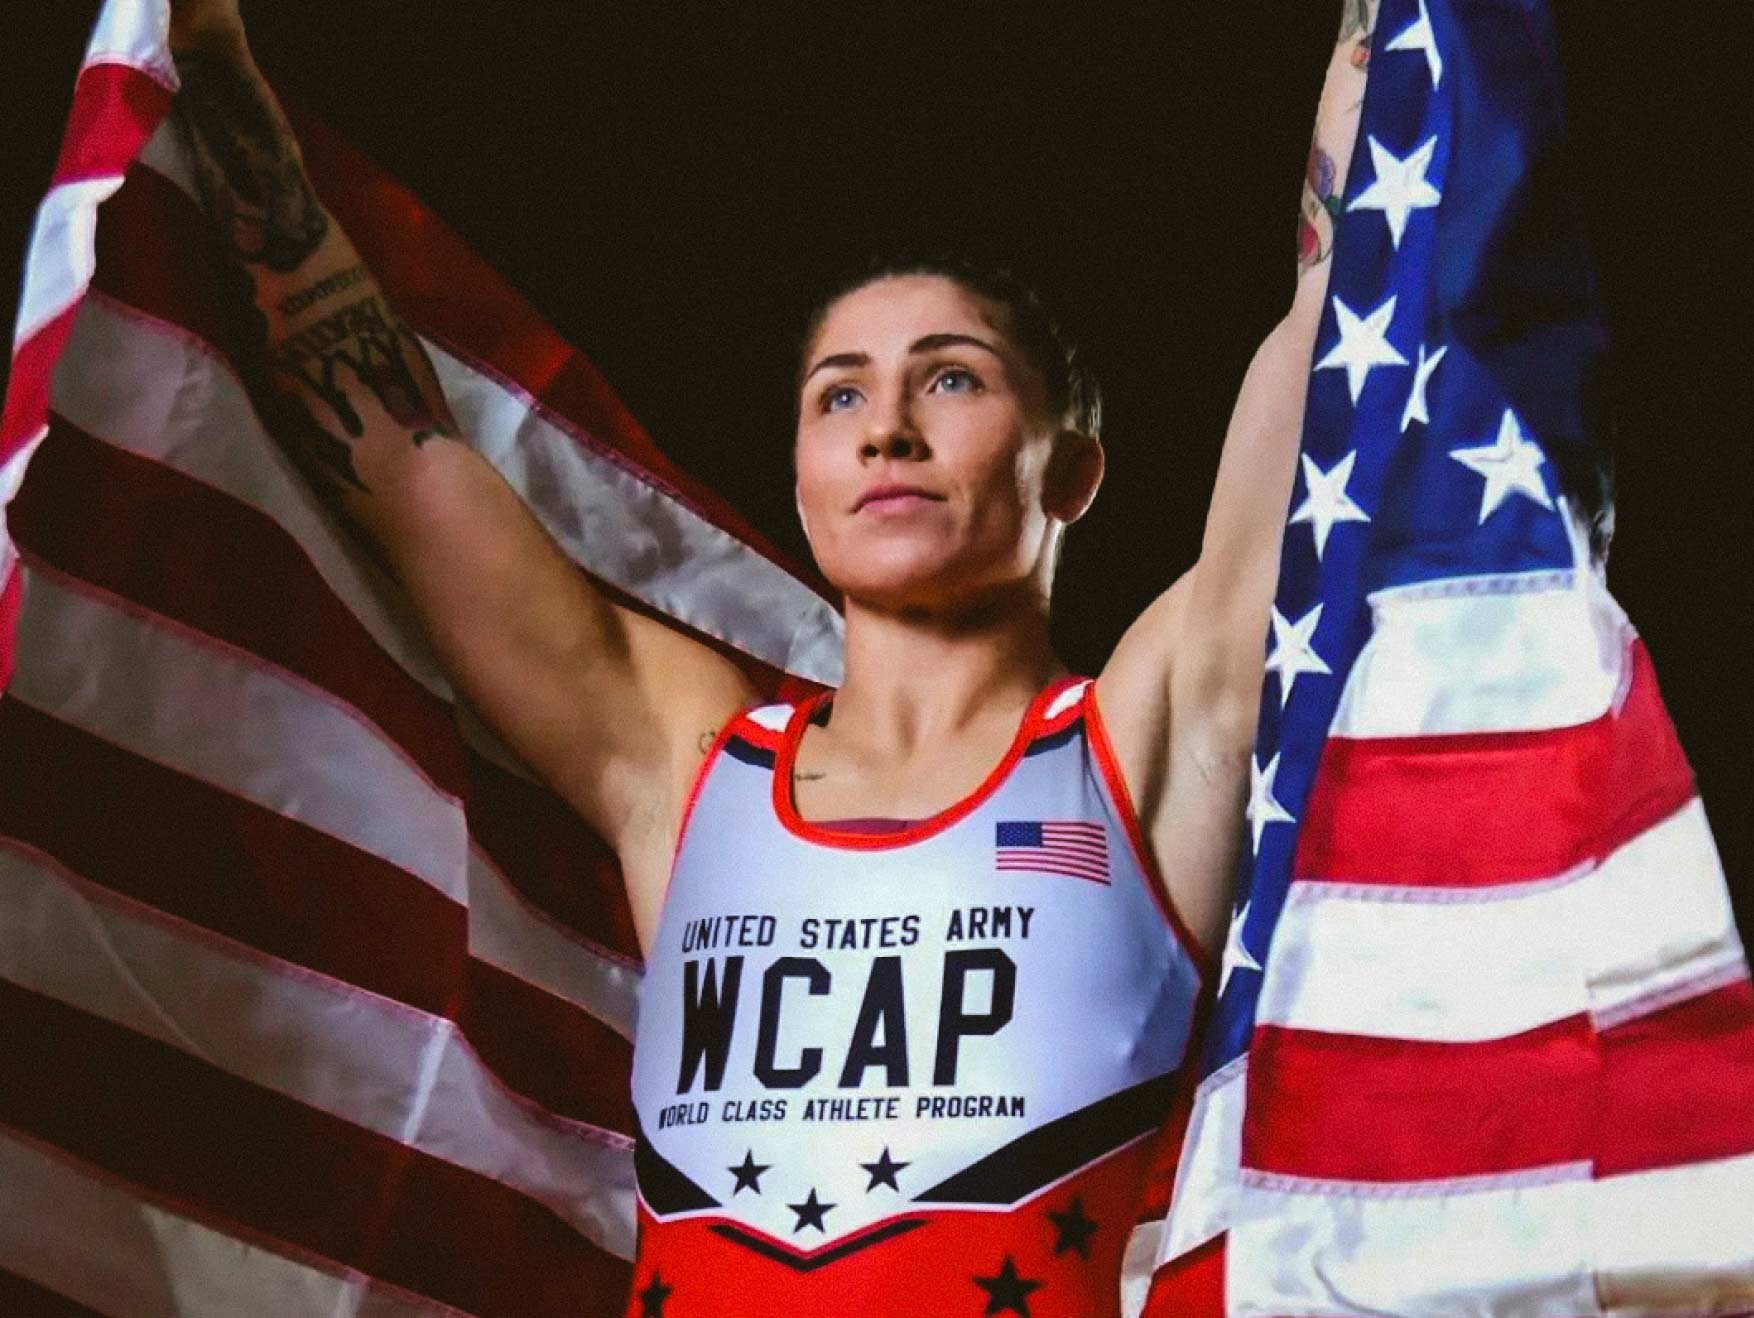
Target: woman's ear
<point x="1074" y="471"/>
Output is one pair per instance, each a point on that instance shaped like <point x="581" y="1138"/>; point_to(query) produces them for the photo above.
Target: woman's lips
<point x="895" y="499"/>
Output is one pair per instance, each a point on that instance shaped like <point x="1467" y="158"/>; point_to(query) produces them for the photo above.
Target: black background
<point x="671" y="186"/>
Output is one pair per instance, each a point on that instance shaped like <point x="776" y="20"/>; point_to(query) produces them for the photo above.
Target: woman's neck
<point x="914" y="677"/>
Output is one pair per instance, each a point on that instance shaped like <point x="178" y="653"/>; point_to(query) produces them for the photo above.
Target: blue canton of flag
<point x="1427" y="429"/>
<point x="1076" y="848"/>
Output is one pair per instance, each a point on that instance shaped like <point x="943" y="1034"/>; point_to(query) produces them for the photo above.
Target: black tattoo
<point x="366" y="340"/>
<point x="808" y="775"/>
<point x="251" y="181"/>
<point x="306" y="298"/>
<point x="707" y="739"/>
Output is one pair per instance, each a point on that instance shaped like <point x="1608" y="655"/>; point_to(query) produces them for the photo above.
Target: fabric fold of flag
<point x="314" y="1002"/>
<point x="1485" y="1036"/>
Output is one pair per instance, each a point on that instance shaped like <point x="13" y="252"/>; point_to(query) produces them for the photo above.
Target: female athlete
<point x="922" y="953"/>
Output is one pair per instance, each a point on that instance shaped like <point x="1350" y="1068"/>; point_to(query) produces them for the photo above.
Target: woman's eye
<point x="955" y="380"/>
<point x="838" y="397"/>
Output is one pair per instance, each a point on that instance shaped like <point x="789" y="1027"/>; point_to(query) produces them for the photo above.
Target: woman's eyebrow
<point x="933" y="342"/>
<point x="929" y="343"/>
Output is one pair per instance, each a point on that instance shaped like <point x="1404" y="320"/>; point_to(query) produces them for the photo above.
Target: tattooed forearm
<point x="1341" y="94"/>
<point x="247" y="167"/>
<point x="365" y="341"/>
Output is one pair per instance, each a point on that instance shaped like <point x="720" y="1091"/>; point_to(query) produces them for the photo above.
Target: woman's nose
<point x="900" y="443"/>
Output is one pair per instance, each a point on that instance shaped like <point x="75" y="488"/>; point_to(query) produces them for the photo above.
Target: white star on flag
<point x="1400" y="186"/>
<point x="1263" y="809"/>
<point x="1236" y="952"/>
<point x="1293" y="651"/>
<point x="1363" y="343"/>
<point x="1418" y="35"/>
<point x="1510" y="464"/>
<point x="1422" y="369"/>
<point x="1326" y="501"/>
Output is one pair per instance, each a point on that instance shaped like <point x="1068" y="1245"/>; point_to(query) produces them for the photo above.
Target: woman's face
<point x="923" y="447"/>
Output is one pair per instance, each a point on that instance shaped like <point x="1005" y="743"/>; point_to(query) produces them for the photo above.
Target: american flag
<point x="1077" y="848"/>
<point x="1484" y="1041"/>
<point x="310" y="1000"/>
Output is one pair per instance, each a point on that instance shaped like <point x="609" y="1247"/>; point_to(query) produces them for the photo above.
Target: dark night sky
<point x="670" y="184"/>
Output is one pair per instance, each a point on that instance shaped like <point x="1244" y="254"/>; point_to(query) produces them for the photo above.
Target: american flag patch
<point x="1077" y="848"/>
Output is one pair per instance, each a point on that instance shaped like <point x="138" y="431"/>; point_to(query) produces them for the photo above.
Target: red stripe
<point x="1348" y="1107"/>
<point x="1679" y="1084"/>
<point x="27" y="396"/>
<point x="562" y="868"/>
<point x="194" y="554"/>
<point x="1190" y="1286"/>
<point x="1049" y="866"/>
<point x="11" y="601"/>
<point x="152" y="1115"/>
<point x="115" y="109"/>
<point x="225" y="864"/>
<point x="560" y="1056"/>
<point x="20" y="1298"/>
<point x="1416" y="810"/>
<point x="155" y="251"/>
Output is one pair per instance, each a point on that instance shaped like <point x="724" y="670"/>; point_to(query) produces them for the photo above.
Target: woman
<point x="923" y="956"/>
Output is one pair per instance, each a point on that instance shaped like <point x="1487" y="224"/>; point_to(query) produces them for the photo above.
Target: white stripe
<point x="1509" y="1250"/>
<point x="164" y="153"/>
<point x="134" y="32"/>
<point x="61" y="257"/>
<point x="1137" y="1265"/>
<point x="633" y="535"/>
<point x="1679" y="1240"/>
<point x="368" y="1060"/>
<point x="1518" y="652"/>
<point x="618" y="525"/>
<point x="1205" y="1192"/>
<point x="504" y="930"/>
<point x="1660" y="916"/>
<point x="84" y="1235"/>
<point x="1453" y="965"/>
<point x="207" y="711"/>
<point x="157" y="392"/>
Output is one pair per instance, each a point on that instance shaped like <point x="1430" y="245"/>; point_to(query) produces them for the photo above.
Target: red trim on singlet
<point x="1102" y="751"/>
<point x="785" y="808"/>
